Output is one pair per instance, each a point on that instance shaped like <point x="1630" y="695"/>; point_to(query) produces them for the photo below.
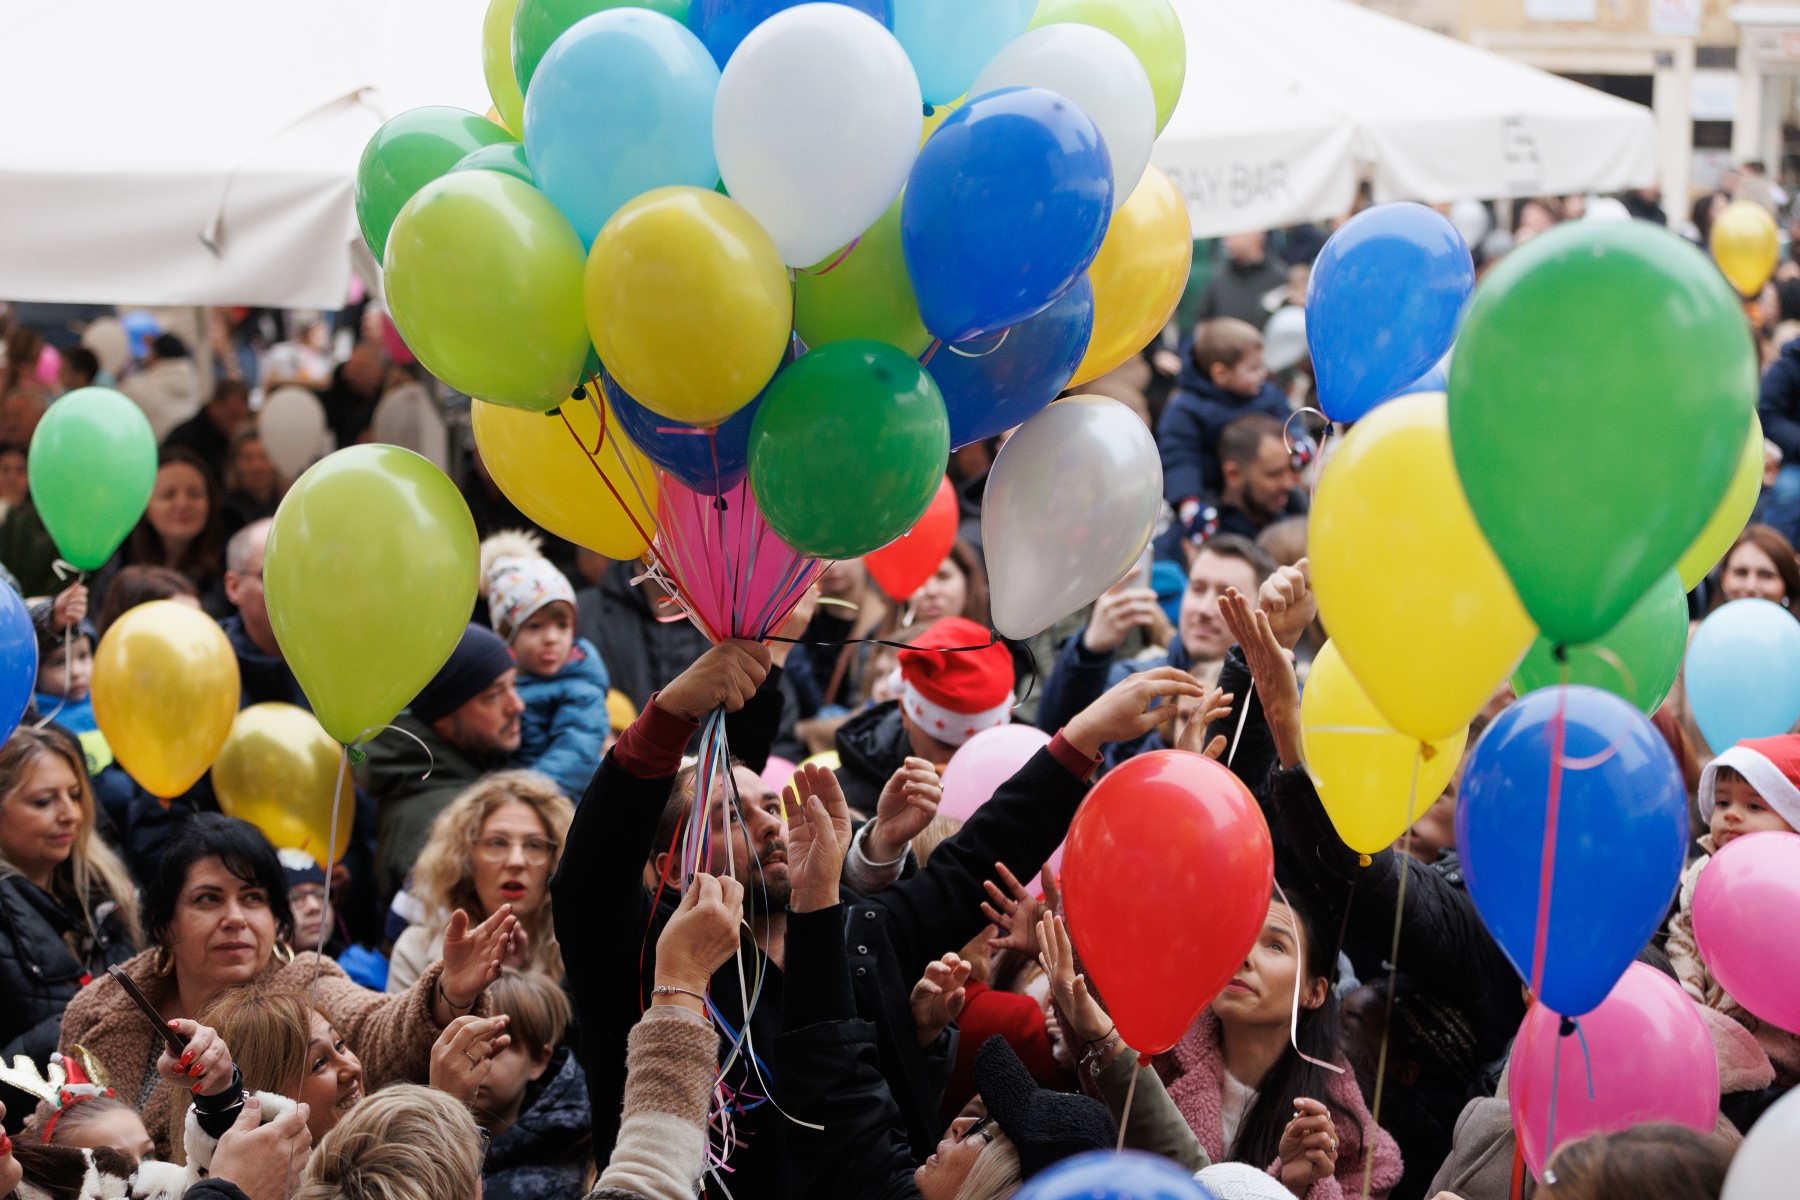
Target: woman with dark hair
<point x="181" y="529"/>
<point x="1759" y="565"/>
<point x="217" y="916"/>
<point x="133" y="586"/>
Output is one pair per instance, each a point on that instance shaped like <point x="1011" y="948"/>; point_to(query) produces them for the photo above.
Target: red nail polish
<point x="196" y="1089"/>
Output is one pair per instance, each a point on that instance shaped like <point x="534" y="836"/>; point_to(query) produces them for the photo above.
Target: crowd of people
<point x="511" y="985"/>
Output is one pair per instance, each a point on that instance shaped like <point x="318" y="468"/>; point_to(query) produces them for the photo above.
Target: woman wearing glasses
<point x="496" y="844"/>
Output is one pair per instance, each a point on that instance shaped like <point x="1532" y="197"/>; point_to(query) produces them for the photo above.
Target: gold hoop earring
<point x="163" y="963"/>
<point x="284" y="952"/>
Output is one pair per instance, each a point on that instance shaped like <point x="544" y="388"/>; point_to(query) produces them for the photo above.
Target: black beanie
<point x="1044" y="1126"/>
<point x="479" y="659"/>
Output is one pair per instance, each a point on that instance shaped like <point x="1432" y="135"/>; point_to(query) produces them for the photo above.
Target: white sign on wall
<point x="1560" y="10"/>
<point x="1675" y="18"/>
<point x="1715" y="95"/>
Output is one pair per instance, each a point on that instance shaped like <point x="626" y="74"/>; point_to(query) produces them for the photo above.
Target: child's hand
<point x="206" y="1066"/>
<point x="71" y="606"/>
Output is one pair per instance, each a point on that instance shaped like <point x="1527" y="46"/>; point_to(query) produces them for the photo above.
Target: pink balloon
<point x="49" y="365"/>
<point x="1743" y="904"/>
<point x="740" y="579"/>
<point x="983" y="763"/>
<point x="777" y="772"/>
<point x="1652" y="1060"/>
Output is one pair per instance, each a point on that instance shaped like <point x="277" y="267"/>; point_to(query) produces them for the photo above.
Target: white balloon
<point x="1767" y="1164"/>
<point x="816" y="125"/>
<point x="292" y="427"/>
<point x="1606" y="208"/>
<point x="1071" y="503"/>
<point x="1471" y="220"/>
<point x="1100" y="74"/>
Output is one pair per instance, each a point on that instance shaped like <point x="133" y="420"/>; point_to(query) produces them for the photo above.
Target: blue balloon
<point x="1621" y="838"/>
<point x="621" y="103"/>
<point x="1006" y="206"/>
<point x="1437" y="379"/>
<point x="949" y="41"/>
<point x="722" y="24"/>
<point x="1743" y="673"/>
<point x="1383" y="303"/>
<point x="1110" y="1175"/>
<point x="708" y="460"/>
<point x="994" y="383"/>
<point x="18" y="659"/>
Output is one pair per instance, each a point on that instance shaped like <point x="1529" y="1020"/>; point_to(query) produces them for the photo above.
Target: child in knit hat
<point x="1754" y="787"/>
<point x="562" y="680"/>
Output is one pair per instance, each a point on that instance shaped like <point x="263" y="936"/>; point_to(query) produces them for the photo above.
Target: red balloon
<point x="903" y="565"/>
<point x="1166" y="883"/>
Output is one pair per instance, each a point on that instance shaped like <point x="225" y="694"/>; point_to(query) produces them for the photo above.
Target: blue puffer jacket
<point x="544" y="1156"/>
<point x="565" y="723"/>
<point x="1188" y="433"/>
<point x="1080" y="677"/>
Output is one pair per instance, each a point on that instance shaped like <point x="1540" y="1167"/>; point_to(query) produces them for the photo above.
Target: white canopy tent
<point x="1288" y="103"/>
<point x="205" y="151"/>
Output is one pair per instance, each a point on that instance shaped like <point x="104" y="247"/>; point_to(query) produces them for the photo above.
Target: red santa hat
<point x="1770" y="765"/>
<point x="953" y="692"/>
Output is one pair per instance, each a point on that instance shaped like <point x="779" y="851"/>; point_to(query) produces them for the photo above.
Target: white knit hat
<point x="1241" y="1181"/>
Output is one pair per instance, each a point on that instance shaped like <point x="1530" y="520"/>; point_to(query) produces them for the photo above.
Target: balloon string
<point x="325" y="915"/>
<point x="925" y="359"/>
<point x="1552" y="807"/>
<point x="1004" y="334"/>
<point x="1294" y="1010"/>
<point x="1381" y="1061"/>
<point x="835" y="263"/>
<point x="63" y="569"/>
<point x="1125" y="1113"/>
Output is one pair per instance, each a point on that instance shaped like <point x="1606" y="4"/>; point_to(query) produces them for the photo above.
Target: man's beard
<point x="766" y="892"/>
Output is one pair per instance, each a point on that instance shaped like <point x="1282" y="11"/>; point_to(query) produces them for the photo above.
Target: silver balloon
<point x="1071" y="503"/>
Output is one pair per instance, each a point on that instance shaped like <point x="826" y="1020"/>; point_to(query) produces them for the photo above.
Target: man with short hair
<point x="208" y="432"/>
<point x="464" y="724"/>
<point x="1262" y="479"/>
<point x="263" y="673"/>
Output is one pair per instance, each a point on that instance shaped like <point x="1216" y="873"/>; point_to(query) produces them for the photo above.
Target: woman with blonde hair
<point x="403" y="1143"/>
<point x="496" y="844"/>
<point x="68" y="909"/>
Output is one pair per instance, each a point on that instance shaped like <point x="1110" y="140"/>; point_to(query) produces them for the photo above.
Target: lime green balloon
<point x="92" y="464"/>
<point x="496" y="64"/>
<point x="370" y="577"/>
<point x="484" y="283"/>
<point x="1600" y="395"/>
<point x="864" y="294"/>
<point x="508" y="158"/>
<point x="848" y="448"/>
<point x="1149" y="28"/>
<point x="1638" y="659"/>
<point x="540" y="22"/>
<point x="406" y="154"/>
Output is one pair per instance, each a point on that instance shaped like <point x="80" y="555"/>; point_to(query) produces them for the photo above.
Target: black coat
<point x="545" y="1155"/>
<point x="1778" y="404"/>
<point x="40" y="974"/>
<point x="641" y="652"/>
<point x="606" y="921"/>
<point x="871" y="746"/>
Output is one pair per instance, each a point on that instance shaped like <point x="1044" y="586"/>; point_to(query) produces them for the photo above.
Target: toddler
<point x="1224" y="378"/>
<point x="1754" y="787"/>
<point x="562" y="679"/>
<point x="66" y="642"/>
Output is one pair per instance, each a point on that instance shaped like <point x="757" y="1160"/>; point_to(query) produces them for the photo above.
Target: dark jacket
<point x="201" y="438"/>
<point x="545" y="1155"/>
<point x="142" y="822"/>
<point x="641" y="652"/>
<point x="1778" y="404"/>
<point x="871" y="746"/>
<point x="1188" y="433"/>
<point x="263" y="678"/>
<point x="1080" y="677"/>
<point x="889" y="938"/>
<point x="406" y="801"/>
<point x="28" y="551"/>
<point x="1237" y="290"/>
<point x="40" y="974"/>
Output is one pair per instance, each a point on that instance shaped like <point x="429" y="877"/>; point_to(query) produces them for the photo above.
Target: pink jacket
<point x="1198" y="1083"/>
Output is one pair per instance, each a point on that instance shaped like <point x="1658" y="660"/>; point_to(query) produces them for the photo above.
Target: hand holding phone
<point x="177" y="1044"/>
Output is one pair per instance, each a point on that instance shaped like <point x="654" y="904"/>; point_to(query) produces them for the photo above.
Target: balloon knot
<point x="1362" y="860"/>
<point x="720" y="504"/>
<point x="577" y="393"/>
<point x="1567" y="1028"/>
<point x="356" y="756"/>
<point x="1427" y="751"/>
<point x="1560" y="652"/>
<point x="555" y="412"/>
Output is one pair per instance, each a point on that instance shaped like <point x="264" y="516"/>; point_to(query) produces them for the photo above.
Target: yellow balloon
<point x="279" y="771"/>
<point x="165" y="693"/>
<point x="688" y="303"/>
<point x="939" y="113"/>
<point x="1361" y="766"/>
<point x="1138" y="275"/>
<point x="1412" y="593"/>
<point x="497" y="67"/>
<point x="1746" y="245"/>
<point x="543" y="467"/>
<point x="1733" y="513"/>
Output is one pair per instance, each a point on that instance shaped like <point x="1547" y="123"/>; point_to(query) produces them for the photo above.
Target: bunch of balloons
<point x="813" y="246"/>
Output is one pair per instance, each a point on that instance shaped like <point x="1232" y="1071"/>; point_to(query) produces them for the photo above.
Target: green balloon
<point x="1638" y="659"/>
<point x="370" y="573"/>
<point x="92" y="465"/>
<point x="508" y="158"/>
<point x="483" y="277"/>
<point x="848" y="448"/>
<point x="1600" y="397"/>
<point x="540" y="22"/>
<point x="409" y="152"/>
<point x="866" y="294"/>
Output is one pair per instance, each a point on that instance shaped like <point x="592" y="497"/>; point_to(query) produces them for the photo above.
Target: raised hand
<point x="702" y="935"/>
<point x="726" y="676"/>
<point x="1309" y="1147"/>
<point x="1125" y="711"/>
<point x="906" y="807"/>
<point x="1083" y="1014"/>
<point x="1013" y="912"/>
<point x="1193" y="724"/>
<point x="205" y="1067"/>
<point x="464" y="1053"/>
<point x="938" y="997"/>
<point x="1271" y="667"/>
<point x="1116" y="613"/>
<point x="818" y="838"/>
<point x="472" y="960"/>
<point x="1287" y="597"/>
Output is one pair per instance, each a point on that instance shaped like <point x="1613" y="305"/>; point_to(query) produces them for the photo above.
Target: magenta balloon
<point x="738" y="577"/>
<point x="1756" y="959"/>
<point x="1651" y="1058"/>
<point x="983" y="763"/>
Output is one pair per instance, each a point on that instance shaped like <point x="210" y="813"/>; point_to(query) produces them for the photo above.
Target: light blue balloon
<point x="621" y="103"/>
<point x="1743" y="673"/>
<point x="949" y="41"/>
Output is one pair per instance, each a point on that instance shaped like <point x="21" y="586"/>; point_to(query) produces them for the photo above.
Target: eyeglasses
<point x="499" y="849"/>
